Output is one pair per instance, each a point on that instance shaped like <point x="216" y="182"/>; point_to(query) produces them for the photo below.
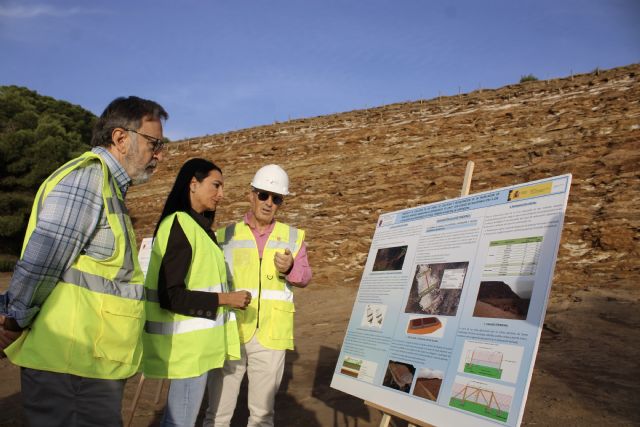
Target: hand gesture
<point x="283" y="261"/>
<point x="238" y="299"/>
<point x="6" y="336"/>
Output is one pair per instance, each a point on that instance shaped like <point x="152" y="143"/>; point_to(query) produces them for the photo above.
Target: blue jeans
<point x="185" y="398"/>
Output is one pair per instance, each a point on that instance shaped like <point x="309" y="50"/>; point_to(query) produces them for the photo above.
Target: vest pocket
<point x="120" y="332"/>
<point x="281" y="322"/>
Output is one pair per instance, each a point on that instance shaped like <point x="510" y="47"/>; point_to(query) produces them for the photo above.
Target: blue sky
<point x="220" y="65"/>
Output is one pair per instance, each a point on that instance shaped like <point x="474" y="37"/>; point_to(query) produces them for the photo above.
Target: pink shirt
<point x="300" y="274"/>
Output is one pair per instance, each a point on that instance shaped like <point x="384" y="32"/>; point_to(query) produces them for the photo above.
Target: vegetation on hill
<point x="37" y="134"/>
<point x="528" y="78"/>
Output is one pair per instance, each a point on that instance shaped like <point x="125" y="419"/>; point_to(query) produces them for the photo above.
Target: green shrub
<point x="528" y="78"/>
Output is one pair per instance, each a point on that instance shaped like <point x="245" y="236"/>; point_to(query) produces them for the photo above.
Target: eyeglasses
<point x="157" y="143"/>
<point x="264" y="195"/>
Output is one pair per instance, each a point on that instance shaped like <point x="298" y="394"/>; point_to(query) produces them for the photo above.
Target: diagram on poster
<point x="447" y="320"/>
<point x="496" y="361"/>
<point x="481" y="398"/>
<point x="374" y="315"/>
<point x="358" y="368"/>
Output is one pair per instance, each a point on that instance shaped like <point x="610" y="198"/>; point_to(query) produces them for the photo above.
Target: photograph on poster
<point x="485" y="399"/>
<point x="426" y="325"/>
<point x="399" y="376"/>
<point x="390" y="259"/>
<point x="374" y="315"/>
<point x="503" y="299"/>
<point x="428" y="382"/>
<point x="436" y="288"/>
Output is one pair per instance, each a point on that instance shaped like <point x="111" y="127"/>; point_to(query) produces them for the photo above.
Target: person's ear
<point x="119" y="138"/>
<point x="193" y="184"/>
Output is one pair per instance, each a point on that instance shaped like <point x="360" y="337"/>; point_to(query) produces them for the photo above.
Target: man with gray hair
<point x="73" y="314"/>
<point x="267" y="258"/>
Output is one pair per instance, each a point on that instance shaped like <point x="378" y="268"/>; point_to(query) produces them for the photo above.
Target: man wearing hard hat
<point x="266" y="258"/>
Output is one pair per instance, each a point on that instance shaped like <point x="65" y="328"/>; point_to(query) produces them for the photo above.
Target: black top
<point x="172" y="290"/>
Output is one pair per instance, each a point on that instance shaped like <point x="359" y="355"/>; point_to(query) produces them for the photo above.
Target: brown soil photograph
<point x="427" y="388"/>
<point x="388" y="259"/>
<point x="346" y="169"/>
<point x="399" y="376"/>
<point x="497" y="300"/>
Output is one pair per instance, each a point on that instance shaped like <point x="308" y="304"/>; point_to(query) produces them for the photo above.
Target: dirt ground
<point x="586" y="373"/>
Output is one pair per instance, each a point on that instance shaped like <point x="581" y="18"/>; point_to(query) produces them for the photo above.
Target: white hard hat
<point x="271" y="178"/>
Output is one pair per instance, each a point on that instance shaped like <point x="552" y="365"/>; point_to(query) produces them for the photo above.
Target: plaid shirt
<point x="72" y="222"/>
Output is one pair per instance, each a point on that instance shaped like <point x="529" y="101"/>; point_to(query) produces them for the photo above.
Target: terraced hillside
<point x="348" y="168"/>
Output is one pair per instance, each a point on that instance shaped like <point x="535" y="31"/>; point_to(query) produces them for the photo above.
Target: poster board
<point x="447" y="320"/>
<point x="144" y="254"/>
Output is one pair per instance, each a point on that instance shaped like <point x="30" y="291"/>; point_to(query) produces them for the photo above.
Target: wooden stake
<point x="466" y="184"/>
<point x="134" y="404"/>
<point x="387" y="413"/>
<point x="159" y="391"/>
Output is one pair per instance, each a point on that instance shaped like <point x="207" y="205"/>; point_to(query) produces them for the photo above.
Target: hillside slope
<point x="348" y="168"/>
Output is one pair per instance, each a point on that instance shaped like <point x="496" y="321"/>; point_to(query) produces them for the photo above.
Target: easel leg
<point x="134" y="404"/>
<point x="159" y="391"/>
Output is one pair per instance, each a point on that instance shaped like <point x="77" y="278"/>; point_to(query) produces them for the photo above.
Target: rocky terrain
<point x="348" y="168"/>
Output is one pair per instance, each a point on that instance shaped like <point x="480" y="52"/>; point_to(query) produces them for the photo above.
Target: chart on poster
<point x="446" y="324"/>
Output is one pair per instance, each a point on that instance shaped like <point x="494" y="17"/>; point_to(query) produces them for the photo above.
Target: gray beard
<point x="141" y="178"/>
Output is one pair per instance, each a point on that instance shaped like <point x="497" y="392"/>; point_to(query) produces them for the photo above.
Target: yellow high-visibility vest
<point x="178" y="346"/>
<point x="271" y="312"/>
<point x="90" y="324"/>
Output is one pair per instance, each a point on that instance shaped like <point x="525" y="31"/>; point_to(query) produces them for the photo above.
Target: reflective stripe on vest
<point x="99" y="284"/>
<point x="270" y="294"/>
<point x="183" y="326"/>
<point x="285" y="295"/>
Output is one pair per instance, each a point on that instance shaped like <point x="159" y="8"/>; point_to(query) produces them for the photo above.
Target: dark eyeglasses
<point x="264" y="195"/>
<point x="157" y="143"/>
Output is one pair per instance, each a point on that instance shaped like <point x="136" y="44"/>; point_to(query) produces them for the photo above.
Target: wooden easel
<point x="136" y="398"/>
<point x="386" y="412"/>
